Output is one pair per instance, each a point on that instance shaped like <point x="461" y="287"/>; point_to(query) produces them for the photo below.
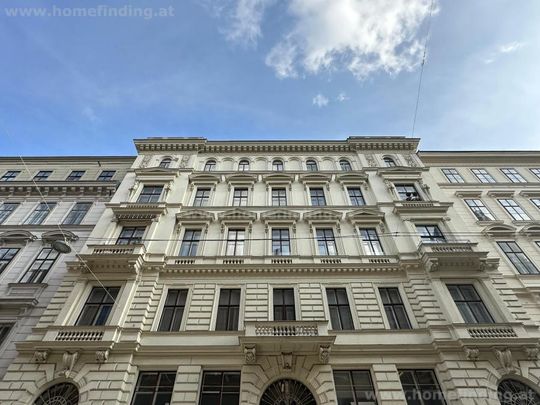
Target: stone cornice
<point x="58" y="188"/>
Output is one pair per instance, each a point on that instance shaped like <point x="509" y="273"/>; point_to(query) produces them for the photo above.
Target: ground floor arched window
<point x="287" y="392"/>
<point x="512" y="392"/>
<point x="59" y="394"/>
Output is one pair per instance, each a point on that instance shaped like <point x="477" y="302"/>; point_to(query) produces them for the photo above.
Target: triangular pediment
<point x="204" y="178"/>
<point x="194" y="215"/>
<point x="322" y="214"/>
<point x="16" y="236"/>
<point x="278" y="178"/>
<point x="315" y="178"/>
<point x="237" y="214"/>
<point x="280" y="214"/>
<point x="241" y="178"/>
<point x="351" y="177"/>
<point x="365" y="215"/>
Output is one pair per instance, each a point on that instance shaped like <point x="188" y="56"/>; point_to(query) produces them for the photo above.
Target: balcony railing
<point x="286" y="329"/>
<point x="101" y="250"/>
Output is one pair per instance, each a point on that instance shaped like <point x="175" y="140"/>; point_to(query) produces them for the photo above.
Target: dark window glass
<point x="513" y="392"/>
<point x="469" y="303"/>
<point x="394" y="308"/>
<point x="240" y="197"/>
<point x="220" y="388"/>
<point x="106" y="175"/>
<point x="483" y="176"/>
<point x="235" y="242"/>
<point x="228" y="309"/>
<point x="279" y="197"/>
<point x="154" y="388"/>
<point x="345" y="165"/>
<point x="389" y="162"/>
<point x="277" y="165"/>
<point x="6" y="256"/>
<point x="41" y="266"/>
<point x="284" y="304"/>
<point x="4" y="330"/>
<point x="6" y="210"/>
<point x="150" y="194"/>
<point x="371" y="242"/>
<point x="513" y="175"/>
<point x="340" y="311"/>
<point x="312" y="166"/>
<point x="453" y="176"/>
<point x="479" y="210"/>
<point x="514" y="210"/>
<point x="210" y="166"/>
<point x="165" y="163"/>
<point x="10" y="175"/>
<point x="173" y="310"/>
<point x="77" y="213"/>
<point x="131" y="235"/>
<point x="354" y="387"/>
<point x="190" y="243"/>
<point x="281" y="242"/>
<point x="40" y="213"/>
<point x="421" y="387"/>
<point x="317" y="196"/>
<point x="75" y="175"/>
<point x="407" y="192"/>
<point x="326" y="242"/>
<point x="355" y="195"/>
<point x="243" y="166"/>
<point x="202" y="196"/>
<point x="42" y="175"/>
<point x="523" y="264"/>
<point x="430" y="234"/>
<point x="98" y="306"/>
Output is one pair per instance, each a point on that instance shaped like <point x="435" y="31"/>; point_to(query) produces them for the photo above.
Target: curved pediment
<point x="365" y="215"/>
<point x="51" y="236"/>
<point x="500" y="230"/>
<point x="17" y="237"/>
<point x="237" y="214"/>
<point x="315" y="178"/>
<point x="531" y="230"/>
<point x="194" y="215"/>
<point x="278" y="178"/>
<point x="280" y="214"/>
<point x="322" y="214"/>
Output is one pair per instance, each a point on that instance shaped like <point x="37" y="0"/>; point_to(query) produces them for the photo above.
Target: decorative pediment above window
<point x="352" y="179"/>
<point x="501" y="193"/>
<point x="365" y="215"/>
<point x="278" y="180"/>
<point x="500" y="230"/>
<point x="192" y="216"/>
<point x="531" y="230"/>
<point x="322" y="215"/>
<point x="17" y="237"/>
<point x="241" y="180"/>
<point x="468" y="193"/>
<point x="316" y="179"/>
<point x="401" y="172"/>
<point x="280" y="215"/>
<point x="51" y="236"/>
<point x="530" y="193"/>
<point x="203" y="179"/>
<point x="137" y="213"/>
<point x="237" y="214"/>
<point x="162" y="174"/>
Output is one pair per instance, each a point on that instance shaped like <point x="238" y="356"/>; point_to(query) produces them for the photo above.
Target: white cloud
<point x="245" y="20"/>
<point x="320" y="101"/>
<point x="503" y="49"/>
<point x="342" y="97"/>
<point x="89" y="113"/>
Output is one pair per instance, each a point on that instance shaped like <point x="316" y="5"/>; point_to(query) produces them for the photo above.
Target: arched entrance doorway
<point x="59" y="394"/>
<point x="513" y="392"/>
<point x="287" y="392"/>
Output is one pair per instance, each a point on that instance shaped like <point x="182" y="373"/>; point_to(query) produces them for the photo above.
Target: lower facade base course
<point x="114" y="380"/>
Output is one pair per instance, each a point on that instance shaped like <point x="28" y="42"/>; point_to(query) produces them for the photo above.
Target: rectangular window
<point x="131" y="235"/>
<point x="235" y="242"/>
<point x="407" y="192"/>
<point x="228" y="309"/>
<point x="281" y="242"/>
<point x="154" y="388"/>
<point x="522" y="263"/>
<point x="479" y="210"/>
<point x="354" y="387"/>
<point x="202" y="196"/>
<point x="371" y="243"/>
<point x="41" y="266"/>
<point x="536" y="171"/>
<point x="240" y="197"/>
<point x="326" y="242"/>
<point x="4" y="331"/>
<point x="430" y="234"/>
<point x="6" y="209"/>
<point x="173" y="310"/>
<point x="284" y="304"/>
<point x="98" y="306"/>
<point x="355" y="195"/>
<point x="514" y="210"/>
<point x="6" y="256"/>
<point x="190" y="243"/>
<point x="77" y="213"/>
<point x="40" y="213"/>
<point x="394" y="308"/>
<point x="42" y="175"/>
<point x="535" y="201"/>
<point x="150" y="194"/>
<point x="317" y="196"/>
<point x="220" y="388"/>
<point x="106" y="175"/>
<point x="279" y="197"/>
<point x="469" y="303"/>
<point x="10" y="175"/>
<point x="483" y="176"/>
<point x="340" y="311"/>
<point x="513" y="175"/>
<point x="421" y="387"/>
<point x="453" y="176"/>
<point x="75" y="175"/>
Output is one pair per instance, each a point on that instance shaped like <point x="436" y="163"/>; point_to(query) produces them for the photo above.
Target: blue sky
<point x="270" y="69"/>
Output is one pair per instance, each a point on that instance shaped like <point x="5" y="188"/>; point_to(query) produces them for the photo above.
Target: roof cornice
<point x="479" y="157"/>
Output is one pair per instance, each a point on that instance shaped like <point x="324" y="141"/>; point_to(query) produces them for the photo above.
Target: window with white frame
<point x="190" y="243"/>
<point x="41" y="266"/>
<point x="243" y="165"/>
<point x="240" y="197"/>
<point x="77" y="213"/>
<point x="536" y="171"/>
<point x="371" y="244"/>
<point x="430" y="234"/>
<point x="173" y="310"/>
<point x="279" y="196"/>
<point x="317" y="197"/>
<point x="98" y="306"/>
<point x="453" y="175"/>
<point x="150" y="194"/>
<point x="40" y="213"/>
<point x="228" y="314"/>
<point x="284" y="309"/>
<point x="6" y="256"/>
<point x="407" y="192"/>
<point x="326" y="242"/>
<point x="235" y="242"/>
<point x="514" y="210"/>
<point x="483" y="175"/>
<point x="130" y="235"/>
<point x="281" y="242"/>
<point x="469" y="303"/>
<point x="311" y="165"/>
<point x="210" y="166"/>
<point x="355" y="196"/>
<point x="202" y="197"/>
<point x="10" y="175"/>
<point x="339" y="308"/>
<point x="513" y="175"/>
<point x="518" y="258"/>
<point x="480" y="211"/>
<point x="396" y="314"/>
<point x="6" y="209"/>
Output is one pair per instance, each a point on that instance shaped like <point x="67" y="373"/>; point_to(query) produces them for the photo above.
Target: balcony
<point x="404" y="207"/>
<point x="454" y="255"/>
<point x="126" y="258"/>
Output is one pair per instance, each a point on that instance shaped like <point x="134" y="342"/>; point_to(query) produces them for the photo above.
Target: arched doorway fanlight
<point x="513" y="392"/>
<point x="287" y="392"/>
<point x="59" y="394"/>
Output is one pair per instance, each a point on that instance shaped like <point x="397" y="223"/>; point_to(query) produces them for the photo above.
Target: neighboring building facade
<point x="293" y="272"/>
<point x="37" y="194"/>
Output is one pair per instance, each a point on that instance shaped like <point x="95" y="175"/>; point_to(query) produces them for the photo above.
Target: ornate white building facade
<point x="331" y="272"/>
